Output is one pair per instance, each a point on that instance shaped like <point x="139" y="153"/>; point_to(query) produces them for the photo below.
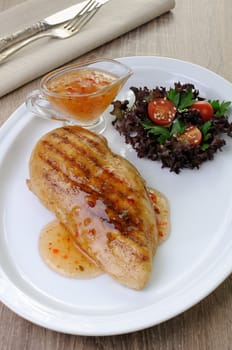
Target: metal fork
<point x="61" y="31"/>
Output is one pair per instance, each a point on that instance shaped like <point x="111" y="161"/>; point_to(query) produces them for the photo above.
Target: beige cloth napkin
<point x="112" y="20"/>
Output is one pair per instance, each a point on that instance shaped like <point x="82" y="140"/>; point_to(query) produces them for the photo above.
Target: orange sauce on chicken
<point x="59" y="252"/>
<point x="83" y="94"/>
<point x="161" y="208"/>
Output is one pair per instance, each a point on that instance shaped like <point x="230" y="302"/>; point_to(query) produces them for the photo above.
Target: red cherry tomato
<point x="205" y="109"/>
<point x="161" y="111"/>
<point x="191" y="135"/>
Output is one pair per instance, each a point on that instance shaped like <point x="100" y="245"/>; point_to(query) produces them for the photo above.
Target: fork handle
<point x="12" y="46"/>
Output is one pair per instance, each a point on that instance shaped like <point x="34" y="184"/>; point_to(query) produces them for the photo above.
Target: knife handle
<point x="20" y="35"/>
<point x="13" y="43"/>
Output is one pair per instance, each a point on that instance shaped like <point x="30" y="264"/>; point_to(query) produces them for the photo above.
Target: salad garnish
<point x="175" y="126"/>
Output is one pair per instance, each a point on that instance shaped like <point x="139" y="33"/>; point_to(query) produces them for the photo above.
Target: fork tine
<point x="84" y="19"/>
<point x="86" y="8"/>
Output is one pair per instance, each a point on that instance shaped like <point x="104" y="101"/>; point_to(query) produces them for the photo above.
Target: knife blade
<point x="68" y="13"/>
<point x="44" y="24"/>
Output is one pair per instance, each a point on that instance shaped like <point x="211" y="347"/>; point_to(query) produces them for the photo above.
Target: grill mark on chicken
<point x="94" y="147"/>
<point x="125" y="223"/>
<point x="72" y="162"/>
<point x="86" y="138"/>
<point x="99" y="181"/>
<point x="125" y="226"/>
<point x="79" y="148"/>
<point x="80" y="151"/>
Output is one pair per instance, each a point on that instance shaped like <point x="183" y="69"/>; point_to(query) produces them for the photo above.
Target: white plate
<point x="188" y="266"/>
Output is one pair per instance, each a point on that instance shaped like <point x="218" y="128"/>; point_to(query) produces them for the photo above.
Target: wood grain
<point x="196" y="31"/>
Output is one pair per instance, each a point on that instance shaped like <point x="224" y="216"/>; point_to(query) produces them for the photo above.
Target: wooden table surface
<point x="200" y="32"/>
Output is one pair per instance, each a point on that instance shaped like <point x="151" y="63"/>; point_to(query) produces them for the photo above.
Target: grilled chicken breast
<point x="100" y="198"/>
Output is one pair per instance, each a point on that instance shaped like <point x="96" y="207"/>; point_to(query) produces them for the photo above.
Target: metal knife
<point x="43" y="25"/>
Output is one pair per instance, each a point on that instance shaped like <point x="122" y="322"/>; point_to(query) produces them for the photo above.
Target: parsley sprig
<point x="160" y="131"/>
<point x="205" y="128"/>
<point x="181" y="100"/>
<point x="164" y="133"/>
<point x="220" y="108"/>
<point x="178" y="127"/>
